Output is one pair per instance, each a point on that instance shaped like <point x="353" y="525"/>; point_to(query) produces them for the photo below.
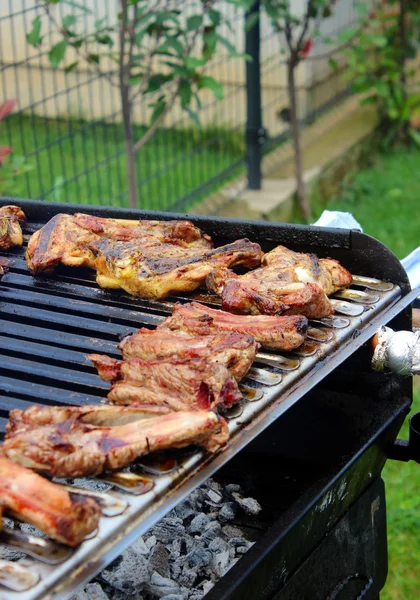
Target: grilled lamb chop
<point x="67" y="239"/>
<point x="155" y="270"/>
<point x="235" y="351"/>
<point x="272" y="332"/>
<point x="72" y="445"/>
<point x="63" y="516"/>
<point x="10" y="231"/>
<point x="289" y="282"/>
<point x="177" y="384"/>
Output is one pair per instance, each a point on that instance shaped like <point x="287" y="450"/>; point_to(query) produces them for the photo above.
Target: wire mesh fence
<point x="68" y="126"/>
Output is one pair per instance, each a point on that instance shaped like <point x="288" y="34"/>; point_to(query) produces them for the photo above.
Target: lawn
<point x="82" y="162"/>
<point x="385" y="199"/>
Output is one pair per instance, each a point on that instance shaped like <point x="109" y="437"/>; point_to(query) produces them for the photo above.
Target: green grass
<point x="385" y="199"/>
<point x="174" y="163"/>
<point x="402" y="482"/>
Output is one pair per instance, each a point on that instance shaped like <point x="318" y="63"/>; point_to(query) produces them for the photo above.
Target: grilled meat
<point x="145" y="258"/>
<point x="273" y="332"/>
<point x="72" y="445"/>
<point x="155" y="270"/>
<point x="288" y="282"/>
<point x="67" y="239"/>
<point x="10" y="231"/>
<point x="177" y="384"/>
<point x="63" y="516"/>
<point x="235" y="351"/>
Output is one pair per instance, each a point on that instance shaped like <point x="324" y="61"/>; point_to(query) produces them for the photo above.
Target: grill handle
<point x="406" y="450"/>
<point x="367" y="579"/>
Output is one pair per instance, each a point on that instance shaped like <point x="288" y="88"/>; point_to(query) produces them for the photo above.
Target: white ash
<point x="185" y="554"/>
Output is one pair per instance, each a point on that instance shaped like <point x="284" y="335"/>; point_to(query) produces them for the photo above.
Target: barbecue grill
<point x="309" y="441"/>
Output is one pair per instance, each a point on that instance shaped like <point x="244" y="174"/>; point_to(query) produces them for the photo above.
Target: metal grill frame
<point x="351" y="248"/>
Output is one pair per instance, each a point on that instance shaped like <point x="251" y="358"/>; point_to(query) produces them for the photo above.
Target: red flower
<point x="307" y="47"/>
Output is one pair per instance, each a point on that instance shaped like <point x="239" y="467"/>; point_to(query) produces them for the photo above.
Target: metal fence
<point x="68" y="126"/>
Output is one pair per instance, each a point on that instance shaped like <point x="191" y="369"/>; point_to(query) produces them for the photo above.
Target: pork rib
<point x="76" y="447"/>
<point x="288" y="282"/>
<point x="273" y="332"/>
<point x="10" y="230"/>
<point x="235" y="351"/>
<point x="63" y="516"/>
<point x="176" y="384"/>
<point x="68" y="239"/>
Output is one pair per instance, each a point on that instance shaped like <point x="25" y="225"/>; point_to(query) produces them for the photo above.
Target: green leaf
<point x="100" y="22"/>
<point x="215" y="16"/>
<point x="415" y="136"/>
<point x="157" y="81"/>
<point x="185" y="93"/>
<point x="193" y="115"/>
<point x="171" y="43"/>
<point x="158" y="109"/>
<point x="192" y="63"/>
<point x="227" y="44"/>
<point x="215" y="86"/>
<point x="34" y="36"/>
<point x="68" y="21"/>
<point x="347" y="34"/>
<point x="76" y="43"/>
<point x="77" y="5"/>
<point x="94" y="58"/>
<point x="194" y="22"/>
<point x="104" y="39"/>
<point x="71" y="66"/>
<point x="57" y="53"/>
<point x="333" y="64"/>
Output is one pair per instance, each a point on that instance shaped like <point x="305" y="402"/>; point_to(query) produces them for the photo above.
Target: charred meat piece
<point x="67" y="239"/>
<point x="273" y="332"/>
<point x="288" y="282"/>
<point x="63" y="516"/>
<point x="235" y="351"/>
<point x="176" y="384"/>
<point x="155" y="270"/>
<point x="76" y="446"/>
<point x="10" y="231"/>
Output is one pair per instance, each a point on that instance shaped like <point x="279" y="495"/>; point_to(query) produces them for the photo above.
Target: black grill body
<point x="316" y="470"/>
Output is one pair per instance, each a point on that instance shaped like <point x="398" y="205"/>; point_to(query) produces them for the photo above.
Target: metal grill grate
<point x="49" y="324"/>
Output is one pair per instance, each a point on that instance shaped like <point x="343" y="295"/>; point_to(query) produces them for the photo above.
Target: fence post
<point x="255" y="133"/>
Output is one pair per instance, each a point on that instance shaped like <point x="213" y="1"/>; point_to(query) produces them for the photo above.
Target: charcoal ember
<point x="197" y="499"/>
<point x="95" y="485"/>
<point x="213" y="498"/>
<point x="249" y="505"/>
<point x="212" y="530"/>
<point x="233" y="487"/>
<point x="95" y="592"/>
<point x="177" y="566"/>
<point x="199" y="557"/>
<point x="244" y="549"/>
<point x="221" y="563"/>
<point x="173" y="597"/>
<point x="162" y="586"/>
<point x="218" y="545"/>
<point x="206" y="586"/>
<point x="151" y="541"/>
<point x="192" y="543"/>
<point x="188" y="578"/>
<point x="168" y="529"/>
<point x="129" y="574"/>
<point x="231" y="531"/>
<point x="198" y="524"/>
<point x="237" y="541"/>
<point x="140" y="547"/>
<point x="159" y="560"/>
<point x="185" y="510"/>
<point x="10" y="553"/>
<point x="228" y="511"/>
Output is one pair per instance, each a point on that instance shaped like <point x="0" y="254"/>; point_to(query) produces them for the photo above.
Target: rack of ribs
<point x="272" y="332"/>
<point x="10" y="230"/>
<point x="145" y="258"/>
<point x="235" y="351"/>
<point x="288" y="282"/>
<point x="179" y="384"/>
<point x="63" y="516"/>
<point x="82" y="441"/>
